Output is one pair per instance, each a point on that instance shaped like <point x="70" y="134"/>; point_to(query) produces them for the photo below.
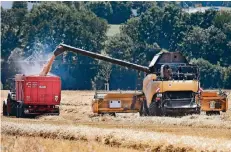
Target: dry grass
<point x="34" y="144"/>
<point x="124" y="138"/>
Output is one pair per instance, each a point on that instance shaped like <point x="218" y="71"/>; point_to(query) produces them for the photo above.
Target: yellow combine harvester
<point x="171" y="86"/>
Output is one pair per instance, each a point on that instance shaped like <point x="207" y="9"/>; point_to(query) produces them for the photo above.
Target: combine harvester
<point x="171" y="86"/>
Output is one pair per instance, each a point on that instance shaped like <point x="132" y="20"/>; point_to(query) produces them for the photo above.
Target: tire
<point x="9" y="105"/>
<point x="58" y="112"/>
<point x="17" y="111"/>
<point x="112" y="114"/>
<point x="198" y="111"/>
<point x="141" y="110"/>
<point x="209" y="113"/>
<point x="20" y="110"/>
<point x="4" y="109"/>
<point x="145" y="110"/>
<point x="154" y="110"/>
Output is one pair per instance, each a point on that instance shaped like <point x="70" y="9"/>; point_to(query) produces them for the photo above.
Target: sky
<point x="8" y="4"/>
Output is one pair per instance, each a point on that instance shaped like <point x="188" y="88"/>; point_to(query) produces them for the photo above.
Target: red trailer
<point x="33" y="95"/>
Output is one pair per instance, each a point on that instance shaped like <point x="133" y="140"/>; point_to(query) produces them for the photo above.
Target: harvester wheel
<point x="145" y="111"/>
<point x="141" y="110"/>
<point x="4" y="109"/>
<point x="154" y="110"/>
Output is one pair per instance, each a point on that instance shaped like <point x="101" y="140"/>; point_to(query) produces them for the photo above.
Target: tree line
<point x="146" y="29"/>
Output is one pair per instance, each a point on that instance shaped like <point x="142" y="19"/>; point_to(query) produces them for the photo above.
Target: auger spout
<point x="63" y="47"/>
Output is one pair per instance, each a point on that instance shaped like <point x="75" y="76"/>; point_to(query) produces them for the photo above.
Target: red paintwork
<point x="38" y="90"/>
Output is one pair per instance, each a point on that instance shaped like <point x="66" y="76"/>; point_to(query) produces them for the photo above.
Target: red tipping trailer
<point x="33" y="95"/>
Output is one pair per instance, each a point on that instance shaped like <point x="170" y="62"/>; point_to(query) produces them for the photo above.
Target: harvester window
<point x="188" y="72"/>
<point x="166" y="72"/>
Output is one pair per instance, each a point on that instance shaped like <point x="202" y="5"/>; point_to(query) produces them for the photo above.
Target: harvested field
<point x="34" y="144"/>
<point x="127" y="138"/>
<point x="77" y="125"/>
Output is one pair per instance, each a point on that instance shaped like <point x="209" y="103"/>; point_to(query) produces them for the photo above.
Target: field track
<point x="77" y="125"/>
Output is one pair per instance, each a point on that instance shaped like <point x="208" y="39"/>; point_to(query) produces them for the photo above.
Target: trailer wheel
<point x="154" y="110"/>
<point x="58" y="113"/>
<point x="9" y="106"/>
<point x="4" y="109"/>
<point x="20" y="110"/>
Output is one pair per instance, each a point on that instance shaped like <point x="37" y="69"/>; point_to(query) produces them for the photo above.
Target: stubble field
<point x="78" y="129"/>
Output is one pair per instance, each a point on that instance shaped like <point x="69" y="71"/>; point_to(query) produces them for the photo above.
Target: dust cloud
<point x="38" y="63"/>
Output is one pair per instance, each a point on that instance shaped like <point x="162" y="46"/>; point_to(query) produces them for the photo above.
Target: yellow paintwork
<point x="102" y="105"/>
<point x="206" y="97"/>
<point x="187" y="85"/>
<point x="150" y="85"/>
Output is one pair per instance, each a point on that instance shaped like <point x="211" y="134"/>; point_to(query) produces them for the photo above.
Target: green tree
<point x="68" y="3"/>
<point x="101" y="9"/>
<point x="209" y="44"/>
<point x="51" y="23"/>
<point x="173" y="27"/>
<point x="114" y="12"/>
<point x="119" y="46"/>
<point x="162" y="26"/>
<point x="11" y="38"/>
<point x="142" y="7"/>
<point x="211" y="76"/>
<point x="19" y="5"/>
<point x="121" y="12"/>
<point x="131" y="29"/>
<point x="203" y="20"/>
<point x="227" y="78"/>
<point x="78" y="5"/>
<point x="54" y="23"/>
<point x="12" y="21"/>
